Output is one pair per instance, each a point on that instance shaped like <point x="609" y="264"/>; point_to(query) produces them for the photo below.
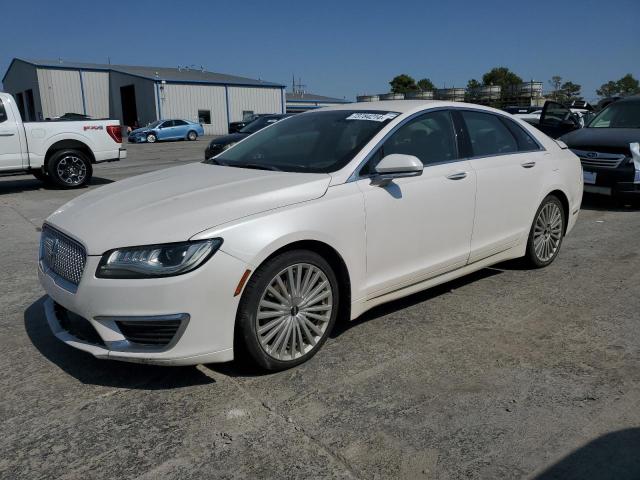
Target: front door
<point x="10" y="150"/>
<point x="418" y="227"/>
<point x="556" y="119"/>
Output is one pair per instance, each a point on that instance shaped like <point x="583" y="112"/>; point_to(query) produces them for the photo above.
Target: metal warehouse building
<point x="302" y="101"/>
<point x="138" y="95"/>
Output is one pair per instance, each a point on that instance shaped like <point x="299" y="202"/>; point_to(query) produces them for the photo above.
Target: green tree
<point x="608" y="89"/>
<point x="627" y="85"/>
<point x="556" y="82"/>
<point x="425" y="84"/>
<point x="501" y="76"/>
<point x="571" y="91"/>
<point x="473" y="86"/>
<point x="402" y="84"/>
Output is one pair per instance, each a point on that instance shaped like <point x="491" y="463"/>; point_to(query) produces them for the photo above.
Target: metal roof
<point x="172" y="75"/>
<point x="311" y="97"/>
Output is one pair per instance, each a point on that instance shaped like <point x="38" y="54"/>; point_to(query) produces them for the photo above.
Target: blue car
<point x="167" y="130"/>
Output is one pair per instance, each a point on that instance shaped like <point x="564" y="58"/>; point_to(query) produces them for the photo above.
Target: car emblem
<point x="592" y="154"/>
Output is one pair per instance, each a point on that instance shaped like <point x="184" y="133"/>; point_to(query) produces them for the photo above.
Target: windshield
<point x="258" y="124"/>
<point x="316" y="142"/>
<point x="154" y="124"/>
<point x="618" y="115"/>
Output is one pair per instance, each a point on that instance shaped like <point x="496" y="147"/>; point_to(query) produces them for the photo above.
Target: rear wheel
<point x="69" y="169"/>
<point x="192" y="135"/>
<point x="547" y="231"/>
<point x="151" y="138"/>
<point x="288" y="309"/>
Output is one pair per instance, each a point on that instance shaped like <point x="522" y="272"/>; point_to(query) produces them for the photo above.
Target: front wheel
<point x="192" y="136"/>
<point x="288" y="309"/>
<point x="69" y="169"/>
<point x="546" y="233"/>
<point x="151" y="138"/>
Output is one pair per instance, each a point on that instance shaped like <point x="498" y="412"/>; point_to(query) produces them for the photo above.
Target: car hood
<point x="602" y="139"/>
<point x="226" y="139"/>
<point x="174" y="204"/>
<point x="140" y="130"/>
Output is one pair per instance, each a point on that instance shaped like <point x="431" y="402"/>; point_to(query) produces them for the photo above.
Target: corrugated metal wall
<point x="256" y="100"/>
<point x="184" y="101"/>
<point x="60" y="92"/>
<point x="96" y="93"/>
<point x="20" y="78"/>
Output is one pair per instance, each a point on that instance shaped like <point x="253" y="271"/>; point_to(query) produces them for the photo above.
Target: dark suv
<point x="606" y="146"/>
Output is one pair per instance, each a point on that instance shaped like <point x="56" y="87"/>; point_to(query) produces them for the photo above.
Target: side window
<point x="429" y="137"/>
<point x="179" y="123"/>
<point x="526" y="143"/>
<point x="3" y="113"/>
<point x="204" y="117"/>
<point x="167" y="124"/>
<point x="488" y="135"/>
<point x="247" y="115"/>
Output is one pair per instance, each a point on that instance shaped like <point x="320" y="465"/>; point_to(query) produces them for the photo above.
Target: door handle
<point x="457" y="176"/>
<point x="7" y="134"/>
<point x="528" y="164"/>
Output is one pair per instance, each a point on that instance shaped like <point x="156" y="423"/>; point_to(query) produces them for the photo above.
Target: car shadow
<point x="411" y="300"/>
<point x="29" y="185"/>
<point x="596" y="202"/>
<point x="92" y="371"/>
<point x="613" y="456"/>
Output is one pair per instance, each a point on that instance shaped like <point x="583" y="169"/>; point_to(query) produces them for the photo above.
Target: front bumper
<point x="136" y="139"/>
<point x="204" y="297"/>
<point x="618" y="182"/>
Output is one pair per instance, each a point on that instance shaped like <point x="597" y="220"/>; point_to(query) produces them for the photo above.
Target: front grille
<point x="600" y="159"/>
<point x="145" y="332"/>
<point x="62" y="255"/>
<point x="77" y="326"/>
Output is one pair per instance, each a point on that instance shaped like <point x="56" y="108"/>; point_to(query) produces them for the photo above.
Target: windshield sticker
<point x="374" y="117"/>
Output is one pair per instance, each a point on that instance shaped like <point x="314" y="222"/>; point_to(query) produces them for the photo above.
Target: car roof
<point x="633" y="98"/>
<point x="407" y="106"/>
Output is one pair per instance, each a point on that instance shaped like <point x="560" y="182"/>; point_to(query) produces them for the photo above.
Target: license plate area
<point x="589" y="177"/>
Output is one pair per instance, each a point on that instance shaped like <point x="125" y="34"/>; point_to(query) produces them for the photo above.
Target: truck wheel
<point x="69" y="169"/>
<point x="151" y="138"/>
<point x="192" y="135"/>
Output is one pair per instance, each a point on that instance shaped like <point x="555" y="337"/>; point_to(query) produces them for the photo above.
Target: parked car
<point x="167" y="130"/>
<point x="578" y="118"/>
<point x="237" y="126"/>
<point x="326" y="214"/>
<point x="59" y="152"/>
<point x="608" y="150"/>
<point x="219" y="144"/>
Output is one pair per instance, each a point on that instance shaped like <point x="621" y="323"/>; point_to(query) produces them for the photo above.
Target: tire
<point x="151" y="138"/>
<point x="191" y="136"/>
<point x="293" y="337"/>
<point x="546" y="234"/>
<point x="69" y="169"/>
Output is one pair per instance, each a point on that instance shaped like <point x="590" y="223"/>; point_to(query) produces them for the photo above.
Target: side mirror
<point x="394" y="166"/>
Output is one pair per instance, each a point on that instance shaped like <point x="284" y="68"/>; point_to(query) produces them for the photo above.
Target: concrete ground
<point x="508" y="373"/>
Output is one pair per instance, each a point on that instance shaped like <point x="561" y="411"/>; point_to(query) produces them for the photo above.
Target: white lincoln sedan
<point x="257" y="251"/>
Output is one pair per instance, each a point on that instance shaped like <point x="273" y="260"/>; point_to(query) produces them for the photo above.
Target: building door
<point x="129" y="110"/>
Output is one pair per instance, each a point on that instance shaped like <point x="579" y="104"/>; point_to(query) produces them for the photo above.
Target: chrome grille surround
<point x="600" y="159"/>
<point x="62" y="258"/>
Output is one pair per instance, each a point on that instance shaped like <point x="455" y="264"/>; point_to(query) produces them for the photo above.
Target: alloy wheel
<point x="547" y="232"/>
<point x="71" y="170"/>
<point x="294" y="312"/>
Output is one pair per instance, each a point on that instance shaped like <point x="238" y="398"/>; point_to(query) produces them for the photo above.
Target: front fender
<point x="337" y="219"/>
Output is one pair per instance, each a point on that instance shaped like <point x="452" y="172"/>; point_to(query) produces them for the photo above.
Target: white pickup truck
<point x="61" y="152"/>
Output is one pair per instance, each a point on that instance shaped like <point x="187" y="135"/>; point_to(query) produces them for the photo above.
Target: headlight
<point x="229" y="145"/>
<point x="151" y="261"/>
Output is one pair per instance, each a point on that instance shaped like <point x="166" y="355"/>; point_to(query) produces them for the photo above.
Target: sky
<point x="338" y="48"/>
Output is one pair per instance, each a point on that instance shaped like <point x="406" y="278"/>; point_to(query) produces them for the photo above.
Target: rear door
<point x="509" y="165"/>
<point x="556" y="119"/>
<point x="10" y="149"/>
<point x="180" y="129"/>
